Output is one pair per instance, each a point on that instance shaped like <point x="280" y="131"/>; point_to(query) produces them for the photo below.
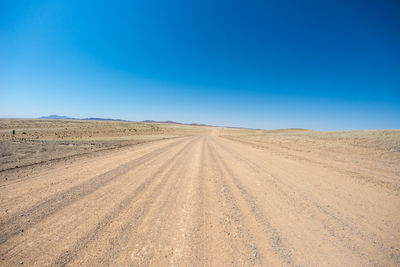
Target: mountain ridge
<point x="58" y="117"/>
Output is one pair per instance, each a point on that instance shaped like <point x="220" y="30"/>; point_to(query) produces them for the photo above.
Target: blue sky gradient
<point x="324" y="65"/>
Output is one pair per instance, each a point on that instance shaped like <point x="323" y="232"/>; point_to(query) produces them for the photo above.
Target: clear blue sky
<point x="325" y="65"/>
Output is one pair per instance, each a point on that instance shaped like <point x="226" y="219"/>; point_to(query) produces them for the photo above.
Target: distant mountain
<point x="57" y="117"/>
<point x="151" y="121"/>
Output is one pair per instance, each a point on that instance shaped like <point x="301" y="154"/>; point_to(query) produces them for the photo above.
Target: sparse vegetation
<point x="27" y="141"/>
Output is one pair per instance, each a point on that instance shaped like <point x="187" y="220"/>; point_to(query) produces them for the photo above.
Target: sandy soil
<point x="231" y="198"/>
<point x="35" y="141"/>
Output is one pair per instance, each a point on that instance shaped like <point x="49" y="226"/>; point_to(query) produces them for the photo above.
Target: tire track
<point x="48" y="163"/>
<point x="304" y="203"/>
<point x="23" y="249"/>
<point x="276" y="240"/>
<point x="197" y="231"/>
<point x="156" y="208"/>
<point x="364" y="176"/>
<point x="137" y="216"/>
<point x="29" y="217"/>
<point x="241" y="243"/>
<point x="174" y="239"/>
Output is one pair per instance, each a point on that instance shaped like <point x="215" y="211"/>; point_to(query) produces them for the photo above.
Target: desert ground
<point x="98" y="193"/>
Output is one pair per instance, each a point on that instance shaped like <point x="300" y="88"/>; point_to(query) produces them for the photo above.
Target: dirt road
<point x="196" y="201"/>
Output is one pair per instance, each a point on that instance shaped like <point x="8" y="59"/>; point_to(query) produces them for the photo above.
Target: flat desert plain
<point x="96" y="193"/>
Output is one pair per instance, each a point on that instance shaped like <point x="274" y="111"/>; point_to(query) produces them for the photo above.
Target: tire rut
<point x="29" y="217"/>
<point x="277" y="243"/>
<point x="305" y="203"/>
<point x="197" y="233"/>
<point x="238" y="237"/>
<point x="167" y="200"/>
<point x="364" y="177"/>
<point x="138" y="215"/>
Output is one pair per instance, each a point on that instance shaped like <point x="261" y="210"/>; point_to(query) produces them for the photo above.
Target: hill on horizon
<point x="58" y="117"/>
